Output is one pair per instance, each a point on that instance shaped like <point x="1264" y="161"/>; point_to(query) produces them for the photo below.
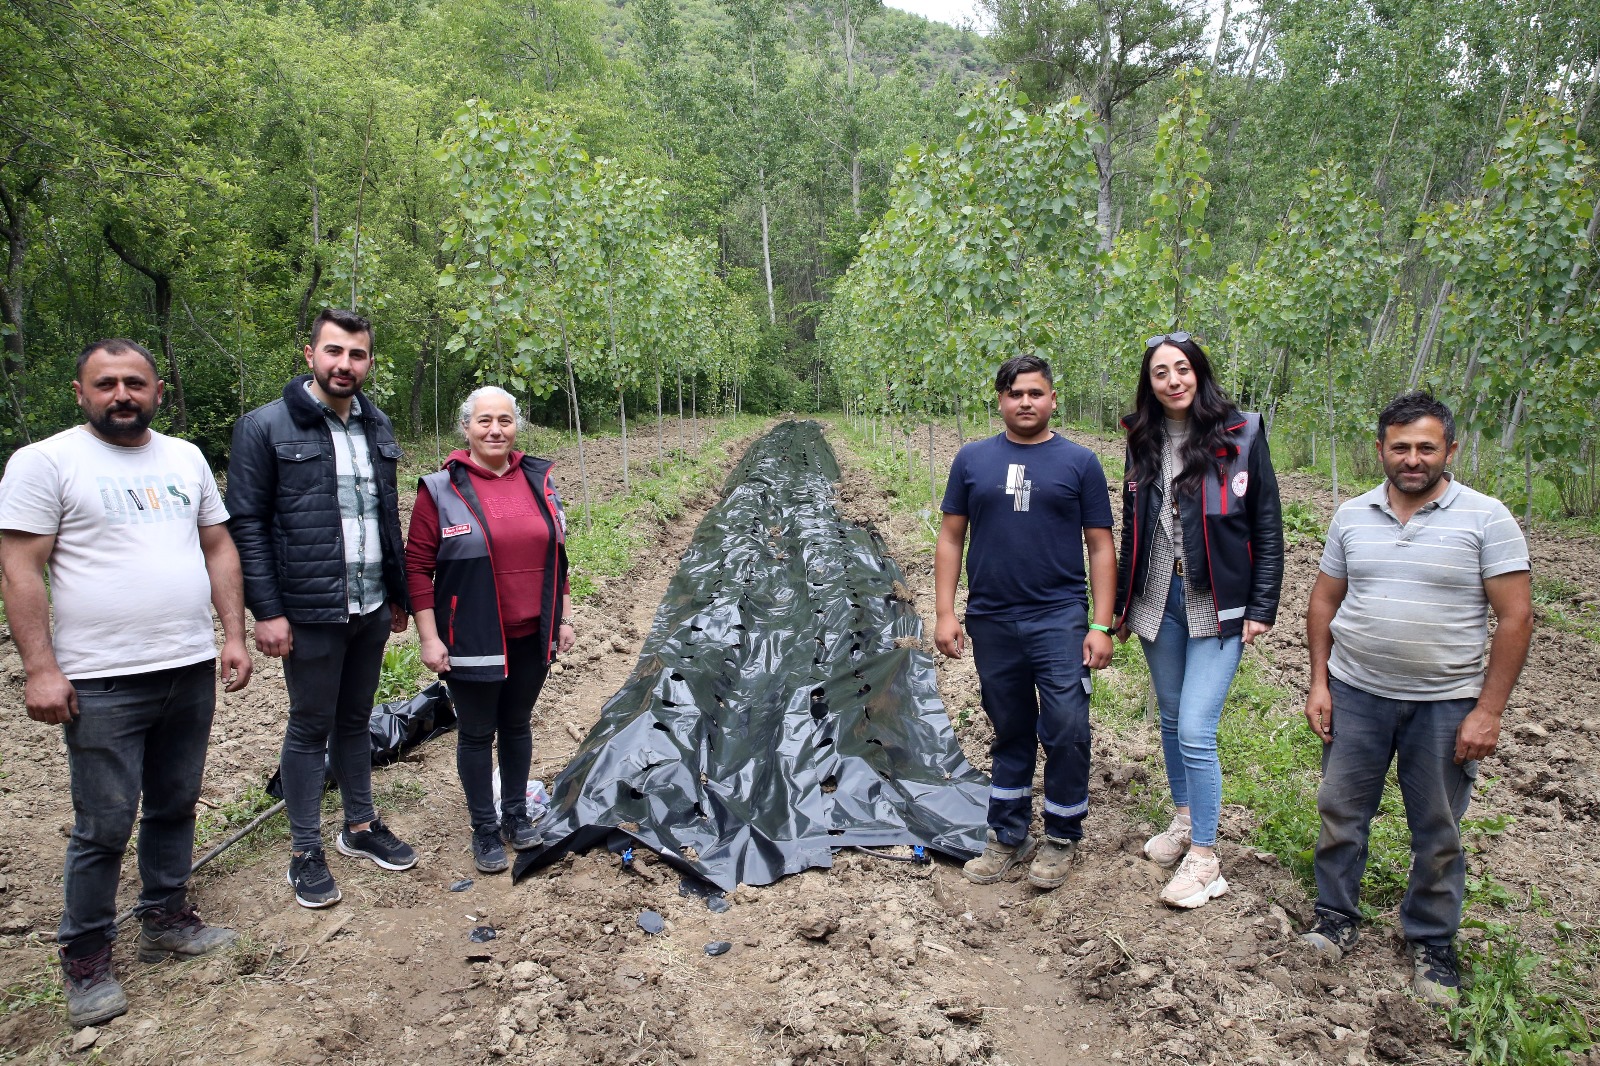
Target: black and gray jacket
<point x="1232" y="532"/>
<point x="283" y="503"/>
<point x="465" y="604"/>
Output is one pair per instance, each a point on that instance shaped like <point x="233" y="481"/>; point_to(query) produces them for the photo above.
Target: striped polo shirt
<point x="1414" y="620"/>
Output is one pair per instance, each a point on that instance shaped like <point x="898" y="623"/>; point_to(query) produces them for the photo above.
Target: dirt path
<point x="869" y="962"/>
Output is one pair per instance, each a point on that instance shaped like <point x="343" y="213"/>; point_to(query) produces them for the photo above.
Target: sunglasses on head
<point x="1163" y="338"/>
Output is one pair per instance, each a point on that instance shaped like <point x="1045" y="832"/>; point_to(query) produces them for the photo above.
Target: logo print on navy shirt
<point x="1018" y="487"/>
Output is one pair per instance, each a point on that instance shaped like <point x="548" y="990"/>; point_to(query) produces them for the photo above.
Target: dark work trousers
<point x="332" y="675"/>
<point x="135" y="733"/>
<point x="1368" y="733"/>
<point x="1036" y="691"/>
<point x="504" y="709"/>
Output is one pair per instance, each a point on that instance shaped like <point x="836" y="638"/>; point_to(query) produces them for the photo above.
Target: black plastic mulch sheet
<point x="772" y="716"/>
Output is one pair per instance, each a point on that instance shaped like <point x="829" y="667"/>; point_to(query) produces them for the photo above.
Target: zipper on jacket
<point x="450" y="635"/>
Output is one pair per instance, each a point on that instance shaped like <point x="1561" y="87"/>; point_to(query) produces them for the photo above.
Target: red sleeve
<point x="422" y="551"/>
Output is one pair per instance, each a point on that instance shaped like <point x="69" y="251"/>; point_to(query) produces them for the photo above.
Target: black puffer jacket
<point x="1232" y="533"/>
<point x="283" y="499"/>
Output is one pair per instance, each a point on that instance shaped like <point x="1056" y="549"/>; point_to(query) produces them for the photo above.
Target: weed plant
<point x="402" y="675"/>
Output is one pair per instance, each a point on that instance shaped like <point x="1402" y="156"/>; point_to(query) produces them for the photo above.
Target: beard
<point x="106" y="425"/>
<point x="1423" y="489"/>
<point x="330" y="387"/>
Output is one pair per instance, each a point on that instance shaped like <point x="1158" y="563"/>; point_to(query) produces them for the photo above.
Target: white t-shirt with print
<point x="128" y="580"/>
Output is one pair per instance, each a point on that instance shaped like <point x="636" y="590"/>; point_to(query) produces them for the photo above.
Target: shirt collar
<point x="1379" y="497"/>
<point x="355" y="405"/>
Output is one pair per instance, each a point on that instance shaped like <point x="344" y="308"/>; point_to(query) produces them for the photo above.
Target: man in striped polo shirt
<point x="1396" y="630"/>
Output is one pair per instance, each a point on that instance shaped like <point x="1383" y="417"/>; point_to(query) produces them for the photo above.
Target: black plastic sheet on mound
<point x="781" y="707"/>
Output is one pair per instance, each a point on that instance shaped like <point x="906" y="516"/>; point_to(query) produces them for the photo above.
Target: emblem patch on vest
<point x="1241" y="481"/>
<point x="455" y="531"/>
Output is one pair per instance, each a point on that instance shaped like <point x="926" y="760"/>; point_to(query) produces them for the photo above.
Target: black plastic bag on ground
<point x="782" y="707"/>
<point x="395" y="729"/>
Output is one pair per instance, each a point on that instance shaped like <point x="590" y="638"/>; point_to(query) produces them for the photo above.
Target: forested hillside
<point x="206" y="176"/>
<point x="1343" y="196"/>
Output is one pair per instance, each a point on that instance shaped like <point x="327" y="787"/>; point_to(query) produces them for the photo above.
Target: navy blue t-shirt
<point x="1026" y="507"/>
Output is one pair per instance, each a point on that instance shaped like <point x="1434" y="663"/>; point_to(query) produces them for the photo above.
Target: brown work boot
<point x="997" y="860"/>
<point x="93" y="994"/>
<point x="1053" y="864"/>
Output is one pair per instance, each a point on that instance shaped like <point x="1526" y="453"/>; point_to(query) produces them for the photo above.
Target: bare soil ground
<point x="869" y="962"/>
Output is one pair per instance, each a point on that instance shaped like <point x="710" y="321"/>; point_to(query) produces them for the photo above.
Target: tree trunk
<point x="1427" y="338"/>
<point x="577" y="421"/>
<point x="766" y="251"/>
<point x="933" y="498"/>
<point x="419" y="374"/>
<point x="1333" y="427"/>
<point x="661" y="446"/>
<point x="1103" y="165"/>
<point x="163" y="308"/>
<point x="622" y="410"/>
<point x="12" y="302"/>
<point x="680" y="413"/>
<point x="361" y="197"/>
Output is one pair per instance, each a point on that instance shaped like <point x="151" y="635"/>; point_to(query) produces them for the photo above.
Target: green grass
<point x="42" y="987"/>
<point x="1555" y="601"/>
<point x="213" y="826"/>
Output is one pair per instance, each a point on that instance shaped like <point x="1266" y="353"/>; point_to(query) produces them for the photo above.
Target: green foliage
<point x="1522" y="262"/>
<point x="1504" y="1017"/>
<point x="1301" y="523"/>
<point x="402" y="674"/>
<point x="941" y="289"/>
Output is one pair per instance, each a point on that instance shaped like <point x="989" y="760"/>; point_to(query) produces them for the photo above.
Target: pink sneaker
<point x="1197" y="881"/>
<point x="1168" y="846"/>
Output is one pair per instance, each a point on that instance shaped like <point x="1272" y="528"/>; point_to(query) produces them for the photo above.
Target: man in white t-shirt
<point x="131" y="527"/>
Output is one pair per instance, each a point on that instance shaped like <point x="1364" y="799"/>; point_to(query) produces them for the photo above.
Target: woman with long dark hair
<point x="1198" y="578"/>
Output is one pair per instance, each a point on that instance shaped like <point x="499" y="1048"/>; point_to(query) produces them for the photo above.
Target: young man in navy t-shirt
<point x="1032" y="501"/>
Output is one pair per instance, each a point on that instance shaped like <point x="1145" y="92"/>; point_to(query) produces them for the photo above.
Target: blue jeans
<point x="487" y="709"/>
<point x="332" y="675"/>
<point x="1191" y="676"/>
<point x="1368" y="733"/>
<point x="1035" y="691"/>
<point x="135" y="734"/>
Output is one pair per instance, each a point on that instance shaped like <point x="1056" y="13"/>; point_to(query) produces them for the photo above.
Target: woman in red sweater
<point x="486" y="564"/>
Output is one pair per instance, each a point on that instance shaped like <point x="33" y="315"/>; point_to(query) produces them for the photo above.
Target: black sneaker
<point x="488" y="854"/>
<point x="520" y="831"/>
<point x="93" y="994"/>
<point x="180" y="935"/>
<point x="312" y="883"/>
<point x="1435" y="973"/>
<point x="1333" y="935"/>
<point x="378" y="844"/>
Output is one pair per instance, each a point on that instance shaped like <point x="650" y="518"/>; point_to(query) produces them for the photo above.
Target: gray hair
<point x="470" y="404"/>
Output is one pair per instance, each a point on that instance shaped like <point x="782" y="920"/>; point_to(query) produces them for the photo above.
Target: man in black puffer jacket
<point x="315" y="513"/>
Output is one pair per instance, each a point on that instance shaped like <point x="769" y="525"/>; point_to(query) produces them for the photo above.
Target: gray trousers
<point x="332" y="675"/>
<point x="1369" y="732"/>
<point x="136" y="736"/>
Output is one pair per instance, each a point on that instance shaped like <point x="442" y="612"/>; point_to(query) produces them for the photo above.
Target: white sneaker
<point x="1169" y="845"/>
<point x="1197" y="881"/>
